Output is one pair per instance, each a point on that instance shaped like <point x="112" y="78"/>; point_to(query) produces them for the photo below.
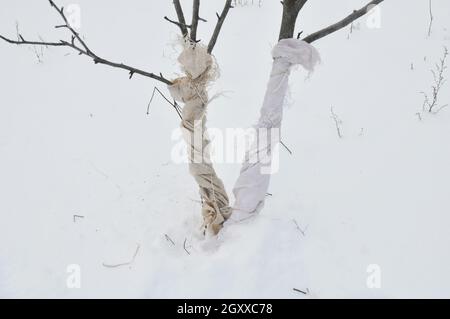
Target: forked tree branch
<point x="291" y="9"/>
<point x="195" y="18"/>
<point x="220" y="21"/>
<point x="67" y="25"/>
<point x="83" y="49"/>
<point x="343" y="23"/>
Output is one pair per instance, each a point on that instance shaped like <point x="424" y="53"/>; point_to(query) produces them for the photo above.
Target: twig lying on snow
<point x="337" y="122"/>
<point x="301" y="291"/>
<point x="169" y="239"/>
<point x="287" y="148"/>
<point x="431" y="18"/>
<point x="299" y="229"/>
<point x="419" y="116"/>
<point x="184" y="246"/>
<point x="124" y="264"/>
<point x="177" y="23"/>
<point x="77" y="216"/>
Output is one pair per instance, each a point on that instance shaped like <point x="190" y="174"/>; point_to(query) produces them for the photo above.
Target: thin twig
<point x="184" y="246"/>
<point x="176" y="22"/>
<point x="174" y="104"/>
<point x="287" y="148"/>
<point x="77" y="216"/>
<point x="301" y="291"/>
<point x="430" y="105"/>
<point x="337" y="122"/>
<point x="431" y="18"/>
<point x="419" y="116"/>
<point x="169" y="239"/>
<point x="124" y="264"/>
<point x="302" y="231"/>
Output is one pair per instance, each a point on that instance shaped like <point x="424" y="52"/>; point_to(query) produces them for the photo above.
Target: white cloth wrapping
<point x="252" y="185"/>
<point x="200" y="69"/>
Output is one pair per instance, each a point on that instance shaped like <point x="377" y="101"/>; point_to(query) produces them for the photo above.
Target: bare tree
<point x="291" y="10"/>
<point x="214" y="198"/>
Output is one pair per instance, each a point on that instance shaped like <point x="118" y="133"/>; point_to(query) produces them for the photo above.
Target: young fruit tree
<point x="191" y="91"/>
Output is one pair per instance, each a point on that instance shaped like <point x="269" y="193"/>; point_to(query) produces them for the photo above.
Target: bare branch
<point x="220" y="21"/>
<point x="343" y="23"/>
<point x="302" y="231"/>
<point x="431" y="18"/>
<point x="182" y="21"/>
<point x="176" y="22"/>
<point x="83" y="49"/>
<point x="20" y="41"/>
<point x="195" y="19"/>
<point x="67" y="25"/>
<point x="285" y="147"/>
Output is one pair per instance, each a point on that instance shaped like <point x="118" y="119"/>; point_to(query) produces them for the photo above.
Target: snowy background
<point x="75" y="139"/>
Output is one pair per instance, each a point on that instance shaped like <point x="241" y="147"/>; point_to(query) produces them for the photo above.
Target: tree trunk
<point x="291" y="8"/>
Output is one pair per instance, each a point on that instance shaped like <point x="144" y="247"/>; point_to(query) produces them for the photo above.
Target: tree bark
<point x="291" y="9"/>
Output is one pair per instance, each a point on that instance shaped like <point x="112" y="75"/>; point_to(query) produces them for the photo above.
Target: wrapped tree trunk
<point x="200" y="70"/>
<point x="251" y="187"/>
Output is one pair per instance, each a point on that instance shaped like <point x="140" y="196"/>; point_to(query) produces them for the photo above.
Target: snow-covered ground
<point x="75" y="139"/>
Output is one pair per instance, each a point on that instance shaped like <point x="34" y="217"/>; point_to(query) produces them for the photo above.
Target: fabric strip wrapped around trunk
<point x="200" y="70"/>
<point x="252" y="185"/>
